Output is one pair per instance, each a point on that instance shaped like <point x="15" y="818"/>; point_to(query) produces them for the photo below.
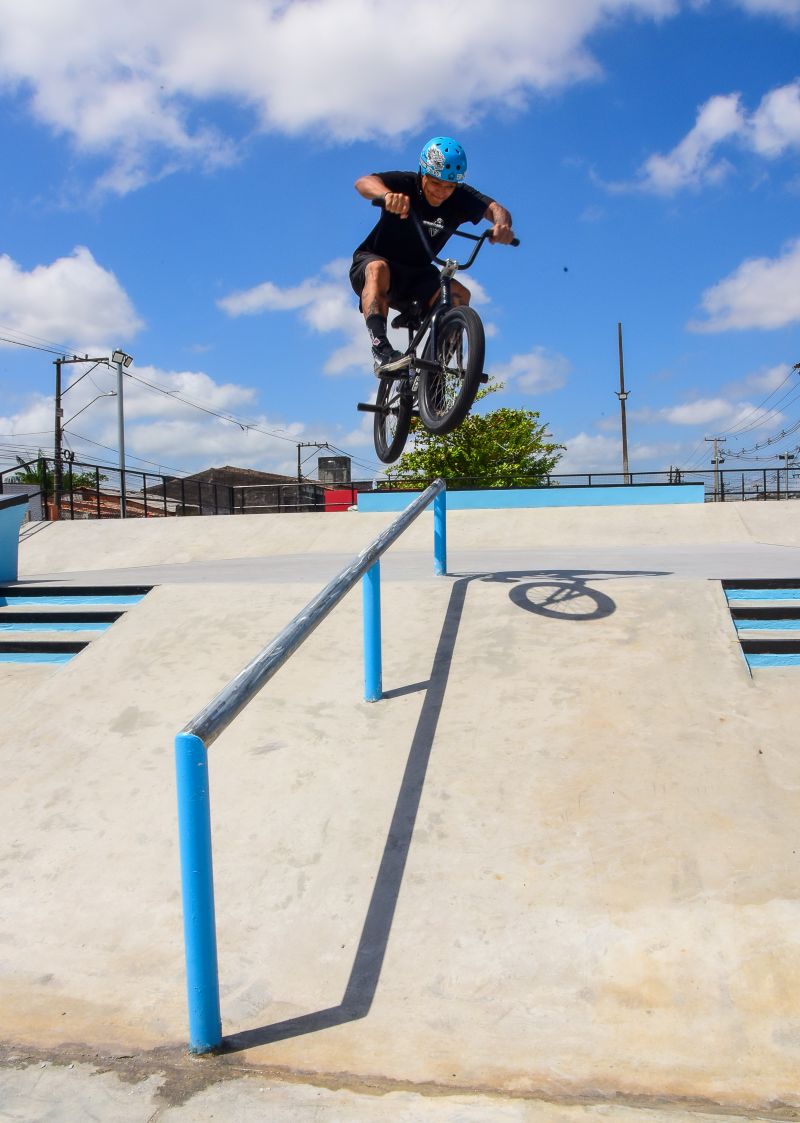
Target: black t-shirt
<point x="396" y="238"/>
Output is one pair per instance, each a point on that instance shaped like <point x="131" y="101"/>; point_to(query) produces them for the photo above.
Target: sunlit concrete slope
<point x="558" y="859"/>
<point x="105" y="544"/>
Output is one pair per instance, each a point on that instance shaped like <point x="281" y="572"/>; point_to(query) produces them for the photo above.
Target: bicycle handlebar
<point x="420" y="223"/>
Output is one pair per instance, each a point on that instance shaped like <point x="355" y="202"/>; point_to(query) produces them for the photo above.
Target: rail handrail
<point x="231" y="700"/>
<point x="191" y="751"/>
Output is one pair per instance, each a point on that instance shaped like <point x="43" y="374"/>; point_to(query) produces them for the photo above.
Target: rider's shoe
<point x="386" y="358"/>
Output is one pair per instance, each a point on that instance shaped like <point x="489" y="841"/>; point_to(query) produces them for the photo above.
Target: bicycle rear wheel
<point x="446" y="394"/>
<point x="393" y="419"/>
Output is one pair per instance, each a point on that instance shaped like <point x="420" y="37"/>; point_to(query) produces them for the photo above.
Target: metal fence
<point x="727" y="484"/>
<point x="74" y="490"/>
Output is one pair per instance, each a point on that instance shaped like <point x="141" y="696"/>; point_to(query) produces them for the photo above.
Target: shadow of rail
<point x="365" y="974"/>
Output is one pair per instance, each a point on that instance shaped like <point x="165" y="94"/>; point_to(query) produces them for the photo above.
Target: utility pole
<point x="717" y="461"/>
<point x="787" y="456"/>
<point x="58" y="479"/>
<point x="307" y="444"/>
<point x="120" y="359"/>
<point x="623" y="397"/>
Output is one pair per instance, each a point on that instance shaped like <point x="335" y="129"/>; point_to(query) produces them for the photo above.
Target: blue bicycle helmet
<point x="443" y="158"/>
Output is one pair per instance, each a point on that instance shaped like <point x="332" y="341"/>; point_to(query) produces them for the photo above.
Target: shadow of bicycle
<point x="565" y="595"/>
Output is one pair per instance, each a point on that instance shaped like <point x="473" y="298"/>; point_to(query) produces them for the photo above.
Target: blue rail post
<point x="440" y="534"/>
<point x="373" y="668"/>
<point x="191" y="754"/>
<point x="197" y="883"/>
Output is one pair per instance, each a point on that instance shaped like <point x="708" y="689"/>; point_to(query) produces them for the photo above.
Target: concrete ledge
<point x="614" y="495"/>
<point x="12" y="512"/>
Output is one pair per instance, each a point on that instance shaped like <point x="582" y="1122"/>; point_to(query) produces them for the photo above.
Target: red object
<point x="340" y="499"/>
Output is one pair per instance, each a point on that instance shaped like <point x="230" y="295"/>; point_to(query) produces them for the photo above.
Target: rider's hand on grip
<point x="502" y="234"/>
<point x="395" y="203"/>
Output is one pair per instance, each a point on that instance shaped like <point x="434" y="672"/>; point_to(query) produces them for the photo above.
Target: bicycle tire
<point x="446" y="395"/>
<point x="393" y="419"/>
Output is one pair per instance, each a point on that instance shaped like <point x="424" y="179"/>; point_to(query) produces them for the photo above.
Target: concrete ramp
<point x="48" y="548"/>
<point x="558" y="861"/>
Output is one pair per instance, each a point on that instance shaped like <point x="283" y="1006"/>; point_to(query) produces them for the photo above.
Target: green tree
<point x="31" y="473"/>
<point x="502" y="448"/>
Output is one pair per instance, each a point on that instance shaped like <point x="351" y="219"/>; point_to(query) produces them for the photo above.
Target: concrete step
<point x="41" y="633"/>
<point x="766" y="615"/>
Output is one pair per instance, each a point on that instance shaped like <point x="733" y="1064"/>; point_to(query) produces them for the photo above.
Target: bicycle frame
<point x="448" y="269"/>
<point x="404" y="391"/>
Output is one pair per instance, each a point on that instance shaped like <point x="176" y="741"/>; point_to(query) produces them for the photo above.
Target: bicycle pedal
<point x="484" y="378"/>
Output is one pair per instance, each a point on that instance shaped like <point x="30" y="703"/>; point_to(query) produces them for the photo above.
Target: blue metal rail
<point x="191" y="751"/>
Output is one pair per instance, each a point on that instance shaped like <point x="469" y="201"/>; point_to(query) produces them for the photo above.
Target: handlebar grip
<point x="377" y="202"/>
<point x="514" y="242"/>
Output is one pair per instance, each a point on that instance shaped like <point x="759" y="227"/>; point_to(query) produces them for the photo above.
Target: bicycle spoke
<point x="446" y="383"/>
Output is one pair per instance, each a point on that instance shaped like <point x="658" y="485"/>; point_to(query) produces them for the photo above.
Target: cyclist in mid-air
<point x="391" y="267"/>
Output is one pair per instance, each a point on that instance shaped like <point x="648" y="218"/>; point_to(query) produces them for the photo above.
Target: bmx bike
<point x="445" y="353"/>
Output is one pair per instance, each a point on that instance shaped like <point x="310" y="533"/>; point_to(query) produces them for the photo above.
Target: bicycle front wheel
<point x="392" y="419"/>
<point x="447" y="393"/>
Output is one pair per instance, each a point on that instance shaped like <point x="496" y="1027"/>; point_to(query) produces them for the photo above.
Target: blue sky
<point x="178" y="182"/>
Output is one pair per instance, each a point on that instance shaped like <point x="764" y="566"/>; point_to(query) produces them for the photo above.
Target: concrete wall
<point x="616" y="495"/>
<point x="12" y="512"/>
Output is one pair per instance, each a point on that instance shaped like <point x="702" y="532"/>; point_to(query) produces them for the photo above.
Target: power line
<point x="371" y="468"/>
<point x="768" y="417"/>
<point x="243" y="424"/>
<point x="755" y="409"/>
<point x="36" y="338"/>
<point x="130" y="456"/>
<point x="744" y="452"/>
<point x="31" y="346"/>
<point x="689" y="465"/>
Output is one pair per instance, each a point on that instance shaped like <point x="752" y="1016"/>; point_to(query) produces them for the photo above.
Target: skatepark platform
<point x="552" y="876"/>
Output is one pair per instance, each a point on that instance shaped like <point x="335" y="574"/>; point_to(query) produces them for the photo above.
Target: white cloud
<point x="770" y="131"/>
<point x="763" y="381"/>
<point x="722" y="413"/>
<point x="326" y="303"/>
<point x="158" y="427"/>
<point x="73" y="300"/>
<point x="536" y="372"/>
<point x="790" y="9"/>
<point x="591" y="453"/>
<point x="138" y="82"/>
<point x="763" y="293"/>
<point x="775" y="125"/>
<point x="478" y="294"/>
<point x="700" y="412"/>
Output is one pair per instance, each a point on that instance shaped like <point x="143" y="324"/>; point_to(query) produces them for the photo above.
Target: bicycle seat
<point x="409" y="316"/>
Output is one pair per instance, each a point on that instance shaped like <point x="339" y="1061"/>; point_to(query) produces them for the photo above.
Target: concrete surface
<point x="111" y="544"/>
<point x="552" y="876"/>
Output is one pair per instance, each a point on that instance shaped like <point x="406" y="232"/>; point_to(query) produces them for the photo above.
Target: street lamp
<point x="59" y="426"/>
<point x="120" y="359"/>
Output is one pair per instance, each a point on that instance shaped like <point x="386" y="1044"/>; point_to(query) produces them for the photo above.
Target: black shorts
<point x="406" y="283"/>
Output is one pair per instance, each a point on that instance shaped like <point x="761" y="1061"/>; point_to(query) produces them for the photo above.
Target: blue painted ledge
<point x="613" y="495"/>
<point x="12" y="512"/>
